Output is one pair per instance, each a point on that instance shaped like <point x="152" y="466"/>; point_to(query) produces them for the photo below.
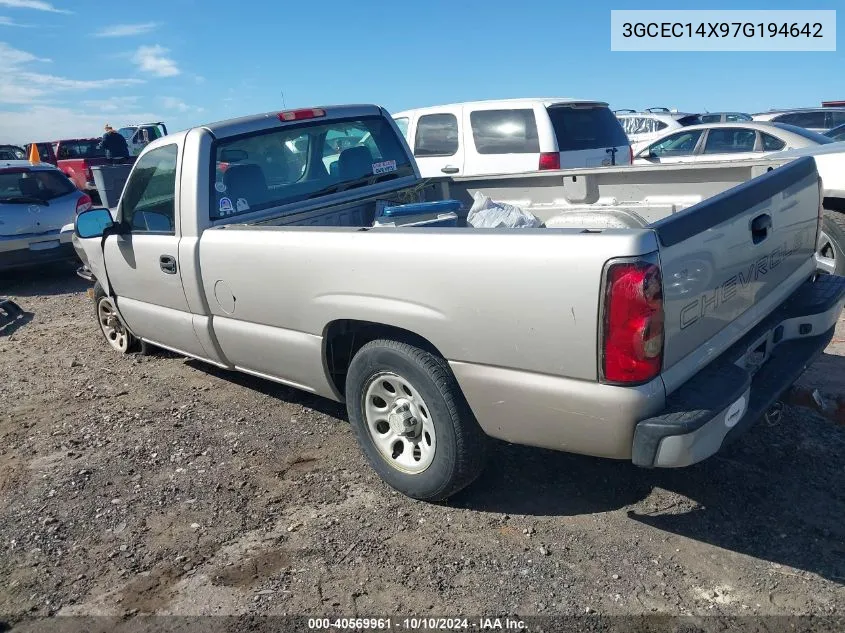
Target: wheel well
<point x="343" y="338"/>
<point x="834" y="204"/>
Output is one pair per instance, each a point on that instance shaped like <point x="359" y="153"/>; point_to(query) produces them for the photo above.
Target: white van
<point x="513" y="136"/>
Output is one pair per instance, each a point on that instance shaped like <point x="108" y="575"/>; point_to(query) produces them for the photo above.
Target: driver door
<point x="142" y="262"/>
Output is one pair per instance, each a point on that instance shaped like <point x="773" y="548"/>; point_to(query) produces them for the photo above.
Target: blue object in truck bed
<point x="419" y="208"/>
<point x="439" y="213"/>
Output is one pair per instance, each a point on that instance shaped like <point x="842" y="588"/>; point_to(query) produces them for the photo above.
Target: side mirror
<point x="145" y="136"/>
<point x="92" y="223"/>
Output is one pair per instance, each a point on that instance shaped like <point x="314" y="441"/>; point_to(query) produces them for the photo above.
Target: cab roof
<point x="256" y="122"/>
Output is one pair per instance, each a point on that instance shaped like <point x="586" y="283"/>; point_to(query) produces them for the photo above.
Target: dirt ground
<point x="155" y="484"/>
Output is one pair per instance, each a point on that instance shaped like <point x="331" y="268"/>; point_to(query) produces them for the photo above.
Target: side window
<point x="504" y="131"/>
<point x="679" y="144"/>
<point x="730" y="141"/>
<point x="736" y="117"/>
<point x="437" y="135"/>
<point x="802" y="119"/>
<point x="835" y="118"/>
<point x="150" y="194"/>
<point x="402" y="124"/>
<point x="771" y="144"/>
<point x="710" y="118"/>
<point x="658" y="125"/>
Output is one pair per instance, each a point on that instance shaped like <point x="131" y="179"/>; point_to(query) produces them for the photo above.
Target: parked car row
<point x="645" y="126"/>
<point x="726" y="141"/>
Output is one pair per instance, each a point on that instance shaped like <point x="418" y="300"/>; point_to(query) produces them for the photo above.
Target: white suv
<point x="513" y="136"/>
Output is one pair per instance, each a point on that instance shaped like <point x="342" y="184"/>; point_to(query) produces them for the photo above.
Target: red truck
<point x="76" y="157"/>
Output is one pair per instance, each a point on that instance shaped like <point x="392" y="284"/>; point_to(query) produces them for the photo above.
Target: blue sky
<point x="67" y="68"/>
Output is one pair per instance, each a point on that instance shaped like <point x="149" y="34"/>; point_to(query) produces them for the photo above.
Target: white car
<point x="813" y="119"/>
<point x="726" y="141"/>
<point x="513" y="136"/>
<point x="830" y="163"/>
<point x="644" y="127"/>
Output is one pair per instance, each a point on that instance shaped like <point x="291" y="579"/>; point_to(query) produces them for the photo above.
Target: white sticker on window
<point x="242" y="204"/>
<point x="384" y="167"/>
<point x="220" y="187"/>
<point x="226" y="206"/>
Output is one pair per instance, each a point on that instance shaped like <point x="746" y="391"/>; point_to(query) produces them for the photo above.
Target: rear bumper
<point x="16" y="253"/>
<point x="728" y="396"/>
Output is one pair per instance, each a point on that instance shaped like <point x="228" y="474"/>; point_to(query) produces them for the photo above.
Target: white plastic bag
<point x="487" y="214"/>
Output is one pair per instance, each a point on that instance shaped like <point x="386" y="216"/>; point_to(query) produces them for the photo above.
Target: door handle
<point x="760" y="228"/>
<point x="168" y="264"/>
<point x="448" y="169"/>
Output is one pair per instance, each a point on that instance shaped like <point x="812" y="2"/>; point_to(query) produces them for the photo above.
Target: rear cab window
<point x="24" y="185"/>
<point x="585" y="127"/>
<point x="81" y="149"/>
<point x="505" y="131"/>
<point x="279" y="166"/>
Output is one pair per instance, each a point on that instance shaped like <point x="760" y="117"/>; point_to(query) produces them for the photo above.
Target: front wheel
<point x="115" y="332"/>
<point x="412" y="421"/>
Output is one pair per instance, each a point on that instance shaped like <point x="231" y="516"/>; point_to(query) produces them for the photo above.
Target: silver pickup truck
<point x="637" y="324"/>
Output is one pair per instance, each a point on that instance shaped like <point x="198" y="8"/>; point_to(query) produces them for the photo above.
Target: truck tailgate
<point x="728" y="261"/>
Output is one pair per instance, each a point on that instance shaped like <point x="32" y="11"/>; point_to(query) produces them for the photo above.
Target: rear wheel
<point x="412" y="421"/>
<point x="115" y="332"/>
<point x="830" y="251"/>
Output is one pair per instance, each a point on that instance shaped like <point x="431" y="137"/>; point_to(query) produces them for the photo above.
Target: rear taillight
<point x="549" y="160"/>
<point x="84" y="203"/>
<point x="632" y="336"/>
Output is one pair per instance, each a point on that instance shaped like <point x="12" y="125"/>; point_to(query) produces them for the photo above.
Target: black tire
<point x="132" y="343"/>
<point x="833" y="225"/>
<point x="461" y="445"/>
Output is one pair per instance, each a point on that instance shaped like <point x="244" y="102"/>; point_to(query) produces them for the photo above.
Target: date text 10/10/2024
<point x="412" y="624"/>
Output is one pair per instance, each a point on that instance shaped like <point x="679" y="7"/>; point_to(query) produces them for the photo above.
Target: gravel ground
<point x="155" y="484"/>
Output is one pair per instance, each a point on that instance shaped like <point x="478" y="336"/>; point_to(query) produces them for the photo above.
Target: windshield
<point x="126" y="132"/>
<point x="279" y="166"/>
<point x="22" y="186"/>
<point x="578" y="128"/>
<point x="807" y="134"/>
